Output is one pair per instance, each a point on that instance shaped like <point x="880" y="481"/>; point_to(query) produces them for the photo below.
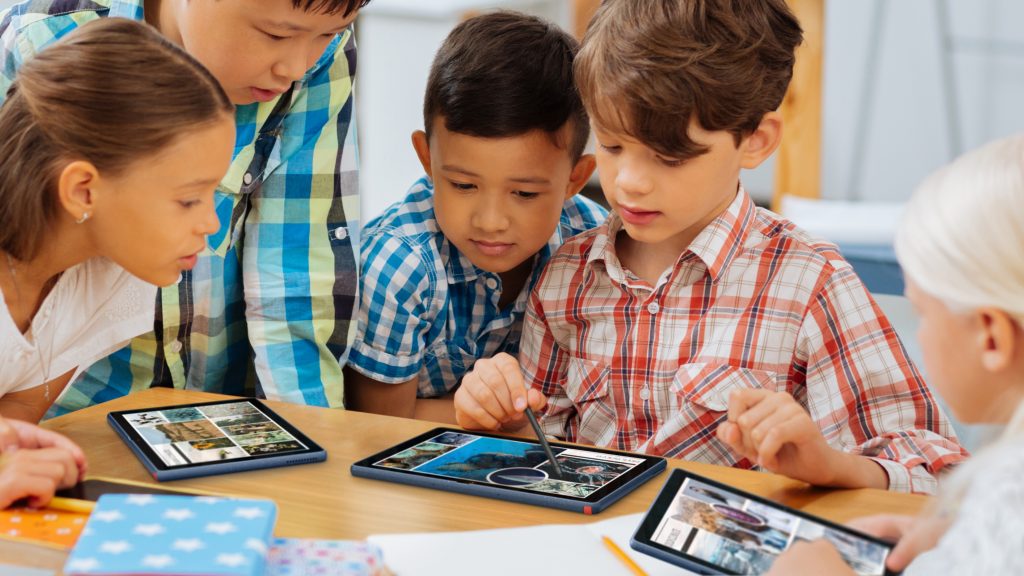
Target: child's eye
<point x="461" y="185"/>
<point x="670" y="162"/>
<point x="526" y="195"/>
<point x="275" y="37"/>
<point x="611" y="149"/>
<point x="188" y="203"/>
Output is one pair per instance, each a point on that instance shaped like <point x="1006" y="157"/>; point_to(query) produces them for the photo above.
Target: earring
<point x="85" y="216"/>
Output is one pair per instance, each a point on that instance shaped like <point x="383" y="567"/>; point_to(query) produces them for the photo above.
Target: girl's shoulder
<point x="985" y="536"/>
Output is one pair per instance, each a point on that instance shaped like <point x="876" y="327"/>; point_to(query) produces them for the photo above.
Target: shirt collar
<point x="716" y="245"/>
<point x="459" y="268"/>
<point x="132" y="9"/>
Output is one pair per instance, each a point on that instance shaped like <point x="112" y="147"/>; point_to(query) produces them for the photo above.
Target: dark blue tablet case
<point x="213" y="468"/>
<point x="512" y="495"/>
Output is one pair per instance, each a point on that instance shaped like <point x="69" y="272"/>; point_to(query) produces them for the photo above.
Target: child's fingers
<point x="786" y="432"/>
<point x="742" y="400"/>
<point x="32" y="436"/>
<point x="730" y="433"/>
<point x="513" y="378"/>
<point x="922" y="535"/>
<point x="470" y="415"/>
<point x="890" y="527"/>
<point x="14" y="487"/>
<point x="768" y="405"/>
<point x="493" y="391"/>
<point x="34" y="473"/>
<point x="536" y="399"/>
<point x="56" y="463"/>
<point x="783" y="413"/>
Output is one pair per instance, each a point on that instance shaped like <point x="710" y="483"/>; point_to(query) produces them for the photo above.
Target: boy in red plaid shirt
<point x="693" y="324"/>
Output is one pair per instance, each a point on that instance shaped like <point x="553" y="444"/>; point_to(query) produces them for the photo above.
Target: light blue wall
<point x="907" y="133"/>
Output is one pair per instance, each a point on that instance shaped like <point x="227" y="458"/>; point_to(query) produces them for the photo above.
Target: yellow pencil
<point x="623" y="557"/>
<point x="71" y="505"/>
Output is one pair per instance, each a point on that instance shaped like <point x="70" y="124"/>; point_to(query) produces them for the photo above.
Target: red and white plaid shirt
<point x="753" y="303"/>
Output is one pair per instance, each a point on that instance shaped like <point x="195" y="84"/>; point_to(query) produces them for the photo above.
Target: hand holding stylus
<point x="494" y="396"/>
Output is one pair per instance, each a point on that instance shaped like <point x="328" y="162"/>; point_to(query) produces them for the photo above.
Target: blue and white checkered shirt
<point x="426" y="310"/>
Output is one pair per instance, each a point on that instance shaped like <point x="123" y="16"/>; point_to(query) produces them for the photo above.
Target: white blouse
<point x="987" y="536"/>
<point x="94" y="309"/>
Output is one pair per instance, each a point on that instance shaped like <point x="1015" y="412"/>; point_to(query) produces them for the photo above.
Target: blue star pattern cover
<point x="151" y="534"/>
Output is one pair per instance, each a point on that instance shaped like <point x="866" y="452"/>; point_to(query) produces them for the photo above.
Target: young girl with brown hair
<point x="114" y="140"/>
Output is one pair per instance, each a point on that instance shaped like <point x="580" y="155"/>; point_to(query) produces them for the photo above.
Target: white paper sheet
<point x="546" y="549"/>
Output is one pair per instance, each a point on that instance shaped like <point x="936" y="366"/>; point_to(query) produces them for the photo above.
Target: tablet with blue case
<point x="710" y="528"/>
<point x="515" y="469"/>
<point x="190" y="440"/>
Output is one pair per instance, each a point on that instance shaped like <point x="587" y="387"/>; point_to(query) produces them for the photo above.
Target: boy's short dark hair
<point x="504" y="74"/>
<point x="648" y="68"/>
<point x="343" y="7"/>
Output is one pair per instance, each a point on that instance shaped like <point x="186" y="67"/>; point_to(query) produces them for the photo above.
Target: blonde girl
<point x="961" y="245"/>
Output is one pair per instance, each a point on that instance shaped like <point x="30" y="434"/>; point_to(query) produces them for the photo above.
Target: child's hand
<point x="35" y="474"/>
<point x="15" y="435"/>
<point x="818" y="557"/>
<point x="772" y="430"/>
<point x="493" y="395"/>
<point x="913" y="535"/>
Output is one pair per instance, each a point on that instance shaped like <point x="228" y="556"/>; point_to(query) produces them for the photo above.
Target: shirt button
<point x="340" y="233"/>
<point x="176" y="346"/>
<point x="653" y="308"/>
<point x="247" y="179"/>
<point x="492" y="283"/>
<point x="645" y="393"/>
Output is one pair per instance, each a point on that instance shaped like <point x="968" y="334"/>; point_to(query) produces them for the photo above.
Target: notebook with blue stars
<point x="179" y="535"/>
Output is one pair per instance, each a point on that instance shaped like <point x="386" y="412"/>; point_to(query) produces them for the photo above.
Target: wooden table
<point x="325" y="501"/>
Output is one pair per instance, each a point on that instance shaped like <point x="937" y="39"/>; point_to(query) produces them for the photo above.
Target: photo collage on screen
<point x="511" y="463"/>
<point x="745" y="537"/>
<point x="196" y="434"/>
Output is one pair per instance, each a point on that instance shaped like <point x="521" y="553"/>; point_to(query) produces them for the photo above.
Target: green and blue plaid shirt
<point x="268" y="308"/>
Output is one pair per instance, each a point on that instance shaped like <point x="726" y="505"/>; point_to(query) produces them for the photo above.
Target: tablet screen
<point x="203" y="433"/>
<point x="743" y="534"/>
<point x="513" y="464"/>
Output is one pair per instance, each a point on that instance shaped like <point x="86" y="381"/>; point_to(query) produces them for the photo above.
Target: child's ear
<point x="762" y="142"/>
<point x="1001" y="340"/>
<point x="581" y="173"/>
<point x="76" y="189"/>
<point x="421" y="144"/>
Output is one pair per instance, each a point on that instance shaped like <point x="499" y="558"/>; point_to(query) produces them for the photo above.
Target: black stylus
<point x="543" y="442"/>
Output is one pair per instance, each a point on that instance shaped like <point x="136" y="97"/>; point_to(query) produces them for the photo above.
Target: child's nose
<point x="490" y="217"/>
<point x="291" y="66"/>
<point x="633" y="180"/>
<point x="210" y="223"/>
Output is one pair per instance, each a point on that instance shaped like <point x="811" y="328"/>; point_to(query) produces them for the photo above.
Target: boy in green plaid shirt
<point x="268" y="308"/>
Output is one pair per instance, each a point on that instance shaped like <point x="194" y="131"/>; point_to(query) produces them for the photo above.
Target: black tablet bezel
<point x="118" y="417"/>
<point x="653" y="516"/>
<point x="597" y="496"/>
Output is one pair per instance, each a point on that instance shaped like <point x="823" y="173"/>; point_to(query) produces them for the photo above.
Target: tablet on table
<point x="711" y="528"/>
<point x="515" y="469"/>
<point x="190" y="440"/>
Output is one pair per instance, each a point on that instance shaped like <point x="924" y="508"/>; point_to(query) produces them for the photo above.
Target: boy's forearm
<point x="436" y="409"/>
<point x="856" y="471"/>
<point x="365" y="394"/>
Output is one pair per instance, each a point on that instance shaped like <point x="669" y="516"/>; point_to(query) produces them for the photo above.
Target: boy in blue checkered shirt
<point x="269" y="307"/>
<point x="446" y="272"/>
